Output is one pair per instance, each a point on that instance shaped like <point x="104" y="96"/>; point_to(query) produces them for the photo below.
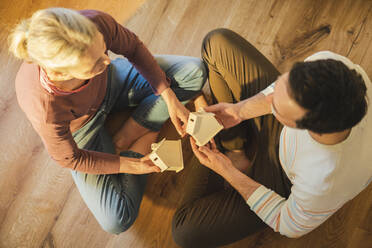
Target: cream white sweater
<point x="324" y="177"/>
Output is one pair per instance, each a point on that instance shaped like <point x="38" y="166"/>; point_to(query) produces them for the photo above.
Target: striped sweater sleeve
<point x="269" y="89"/>
<point x="286" y="216"/>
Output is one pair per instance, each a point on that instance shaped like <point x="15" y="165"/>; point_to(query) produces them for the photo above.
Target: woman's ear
<point x="57" y="76"/>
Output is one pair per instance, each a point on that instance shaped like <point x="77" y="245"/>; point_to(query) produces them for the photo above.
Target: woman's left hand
<point x="177" y="112"/>
<point x="211" y="157"/>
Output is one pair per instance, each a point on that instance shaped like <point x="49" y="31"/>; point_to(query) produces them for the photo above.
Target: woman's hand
<point x="209" y="156"/>
<point x="177" y="112"/>
<point x="137" y="166"/>
<point x="226" y="113"/>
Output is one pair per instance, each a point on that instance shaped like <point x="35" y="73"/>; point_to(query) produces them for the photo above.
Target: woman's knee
<point x="196" y="74"/>
<point x="118" y="213"/>
<point x="117" y="224"/>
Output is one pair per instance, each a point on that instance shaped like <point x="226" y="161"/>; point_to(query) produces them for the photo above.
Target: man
<point x="307" y="142"/>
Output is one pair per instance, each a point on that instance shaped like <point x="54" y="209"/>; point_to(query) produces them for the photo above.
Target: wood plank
<point x="361" y="239"/>
<point x="33" y="212"/>
<point x="39" y="204"/>
<point x="77" y="224"/>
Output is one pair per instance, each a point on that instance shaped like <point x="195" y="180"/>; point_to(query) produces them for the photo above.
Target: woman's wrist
<point x="168" y="95"/>
<point x="127" y="164"/>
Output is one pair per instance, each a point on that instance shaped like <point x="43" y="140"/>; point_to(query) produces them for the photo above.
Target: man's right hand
<point x="226" y="113"/>
<point x="232" y="114"/>
<point x="137" y="166"/>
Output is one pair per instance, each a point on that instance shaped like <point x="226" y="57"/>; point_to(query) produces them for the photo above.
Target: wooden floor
<point x="39" y="204"/>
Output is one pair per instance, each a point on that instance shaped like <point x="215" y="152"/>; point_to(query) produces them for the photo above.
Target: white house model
<point x="202" y="126"/>
<point x="167" y="155"/>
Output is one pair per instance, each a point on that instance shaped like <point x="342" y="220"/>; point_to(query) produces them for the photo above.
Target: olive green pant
<point x="212" y="214"/>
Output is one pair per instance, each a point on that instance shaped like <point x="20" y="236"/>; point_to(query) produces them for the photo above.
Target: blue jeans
<point x="114" y="199"/>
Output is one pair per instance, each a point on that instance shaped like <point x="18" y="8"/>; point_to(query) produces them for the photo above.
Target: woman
<point x="67" y="87"/>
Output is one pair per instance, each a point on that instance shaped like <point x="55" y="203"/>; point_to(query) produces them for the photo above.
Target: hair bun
<point x="18" y="40"/>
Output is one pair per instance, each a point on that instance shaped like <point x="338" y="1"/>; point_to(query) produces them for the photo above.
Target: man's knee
<point x="220" y="37"/>
<point x="185" y="235"/>
<point x="193" y="74"/>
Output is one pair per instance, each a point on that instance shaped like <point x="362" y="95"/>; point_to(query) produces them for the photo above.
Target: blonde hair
<point x="54" y="38"/>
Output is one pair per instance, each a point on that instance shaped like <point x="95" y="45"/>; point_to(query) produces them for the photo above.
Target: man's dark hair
<point x="334" y="95"/>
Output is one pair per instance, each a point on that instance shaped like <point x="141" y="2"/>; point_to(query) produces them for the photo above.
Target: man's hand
<point x="209" y="156"/>
<point x="222" y="165"/>
<point x="137" y="166"/>
<point x="226" y="113"/>
<point x="177" y="112"/>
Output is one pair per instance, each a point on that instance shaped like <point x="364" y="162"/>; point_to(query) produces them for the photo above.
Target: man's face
<point x="284" y="108"/>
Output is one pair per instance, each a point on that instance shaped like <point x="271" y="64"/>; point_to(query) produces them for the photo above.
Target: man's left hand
<point x="211" y="157"/>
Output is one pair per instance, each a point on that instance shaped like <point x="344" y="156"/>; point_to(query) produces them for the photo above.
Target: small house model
<point x="167" y="155"/>
<point x="202" y="126"/>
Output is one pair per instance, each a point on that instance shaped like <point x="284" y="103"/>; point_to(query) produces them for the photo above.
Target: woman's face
<point x="93" y="62"/>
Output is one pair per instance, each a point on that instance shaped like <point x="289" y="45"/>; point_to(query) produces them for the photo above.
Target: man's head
<point x="62" y="41"/>
<point x="323" y="96"/>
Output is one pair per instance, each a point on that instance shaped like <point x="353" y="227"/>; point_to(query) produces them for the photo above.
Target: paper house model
<point x="167" y="155"/>
<point x="202" y="126"/>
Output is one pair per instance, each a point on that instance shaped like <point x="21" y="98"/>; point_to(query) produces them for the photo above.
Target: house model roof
<point x="167" y="155"/>
<point x="202" y="126"/>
